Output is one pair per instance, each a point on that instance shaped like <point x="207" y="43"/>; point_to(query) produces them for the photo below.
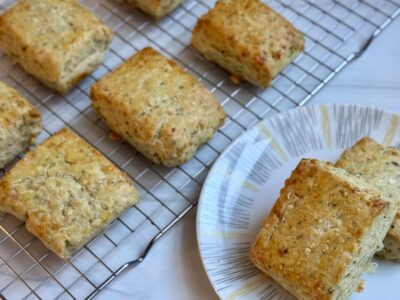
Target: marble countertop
<point x="173" y="269"/>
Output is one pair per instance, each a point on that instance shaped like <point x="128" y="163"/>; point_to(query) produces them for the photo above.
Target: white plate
<point x="245" y="182"/>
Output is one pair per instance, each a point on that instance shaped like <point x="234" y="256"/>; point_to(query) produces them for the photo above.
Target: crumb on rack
<point x="112" y="135"/>
<point x="235" y="79"/>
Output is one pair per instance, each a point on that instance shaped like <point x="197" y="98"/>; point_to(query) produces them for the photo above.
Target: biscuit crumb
<point x="360" y="287"/>
<point x="235" y="79"/>
<point x="112" y="135"/>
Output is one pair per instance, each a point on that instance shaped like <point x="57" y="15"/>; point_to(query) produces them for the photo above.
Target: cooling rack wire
<point x="336" y="32"/>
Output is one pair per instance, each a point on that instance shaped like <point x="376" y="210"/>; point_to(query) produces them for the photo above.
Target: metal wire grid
<point x="336" y="32"/>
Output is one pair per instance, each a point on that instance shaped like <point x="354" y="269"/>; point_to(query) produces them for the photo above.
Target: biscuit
<point x="20" y="123"/>
<point x="322" y="232"/>
<point x="57" y="41"/>
<point x="380" y="166"/>
<point x="157" y="107"/>
<point x="248" y="39"/>
<point x="155" y="8"/>
<point x="66" y="192"/>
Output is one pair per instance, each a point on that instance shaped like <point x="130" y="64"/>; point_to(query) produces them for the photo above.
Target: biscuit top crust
<point x="13" y="107"/>
<point x="66" y="191"/>
<point x="52" y="29"/>
<point x="317" y="225"/>
<point x="380" y="166"/>
<point x="253" y="32"/>
<point x="376" y="163"/>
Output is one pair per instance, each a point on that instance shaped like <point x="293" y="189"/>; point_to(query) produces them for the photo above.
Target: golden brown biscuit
<point x="20" y="123"/>
<point x="155" y="8"/>
<point x="57" y="41"/>
<point x="66" y="192"/>
<point x="322" y="232"/>
<point x="380" y="166"/>
<point x="157" y="107"/>
<point x="248" y="39"/>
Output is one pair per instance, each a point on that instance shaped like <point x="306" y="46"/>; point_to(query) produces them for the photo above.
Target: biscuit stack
<point x="329" y="221"/>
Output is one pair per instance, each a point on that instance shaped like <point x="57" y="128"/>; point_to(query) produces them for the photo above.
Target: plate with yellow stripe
<point x="245" y="181"/>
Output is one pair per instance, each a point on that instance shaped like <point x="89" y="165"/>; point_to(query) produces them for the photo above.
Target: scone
<point x="322" y="232"/>
<point x="57" y="41"/>
<point x="155" y="8"/>
<point x="20" y="123"/>
<point x="248" y="39"/>
<point x="66" y="192"/>
<point x="157" y="107"/>
<point x="380" y="166"/>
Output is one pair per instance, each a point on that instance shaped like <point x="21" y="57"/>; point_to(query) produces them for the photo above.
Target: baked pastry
<point x="66" y="192"/>
<point x="20" y="123"/>
<point x="157" y="107"/>
<point x="155" y="8"/>
<point x="322" y="232"/>
<point x="57" y="41"/>
<point x="380" y="166"/>
<point x="248" y="39"/>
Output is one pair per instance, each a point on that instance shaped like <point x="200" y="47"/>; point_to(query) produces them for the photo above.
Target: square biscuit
<point x="322" y="232"/>
<point x="248" y="39"/>
<point x="157" y="107"/>
<point x="155" y="8"/>
<point x="57" y="41"/>
<point x="380" y="166"/>
<point x="20" y="123"/>
<point x="66" y="192"/>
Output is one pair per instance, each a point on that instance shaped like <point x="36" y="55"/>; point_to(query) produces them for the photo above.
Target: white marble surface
<point x="173" y="269"/>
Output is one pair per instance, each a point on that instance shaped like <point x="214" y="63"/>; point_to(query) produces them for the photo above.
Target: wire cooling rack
<point x="336" y="32"/>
